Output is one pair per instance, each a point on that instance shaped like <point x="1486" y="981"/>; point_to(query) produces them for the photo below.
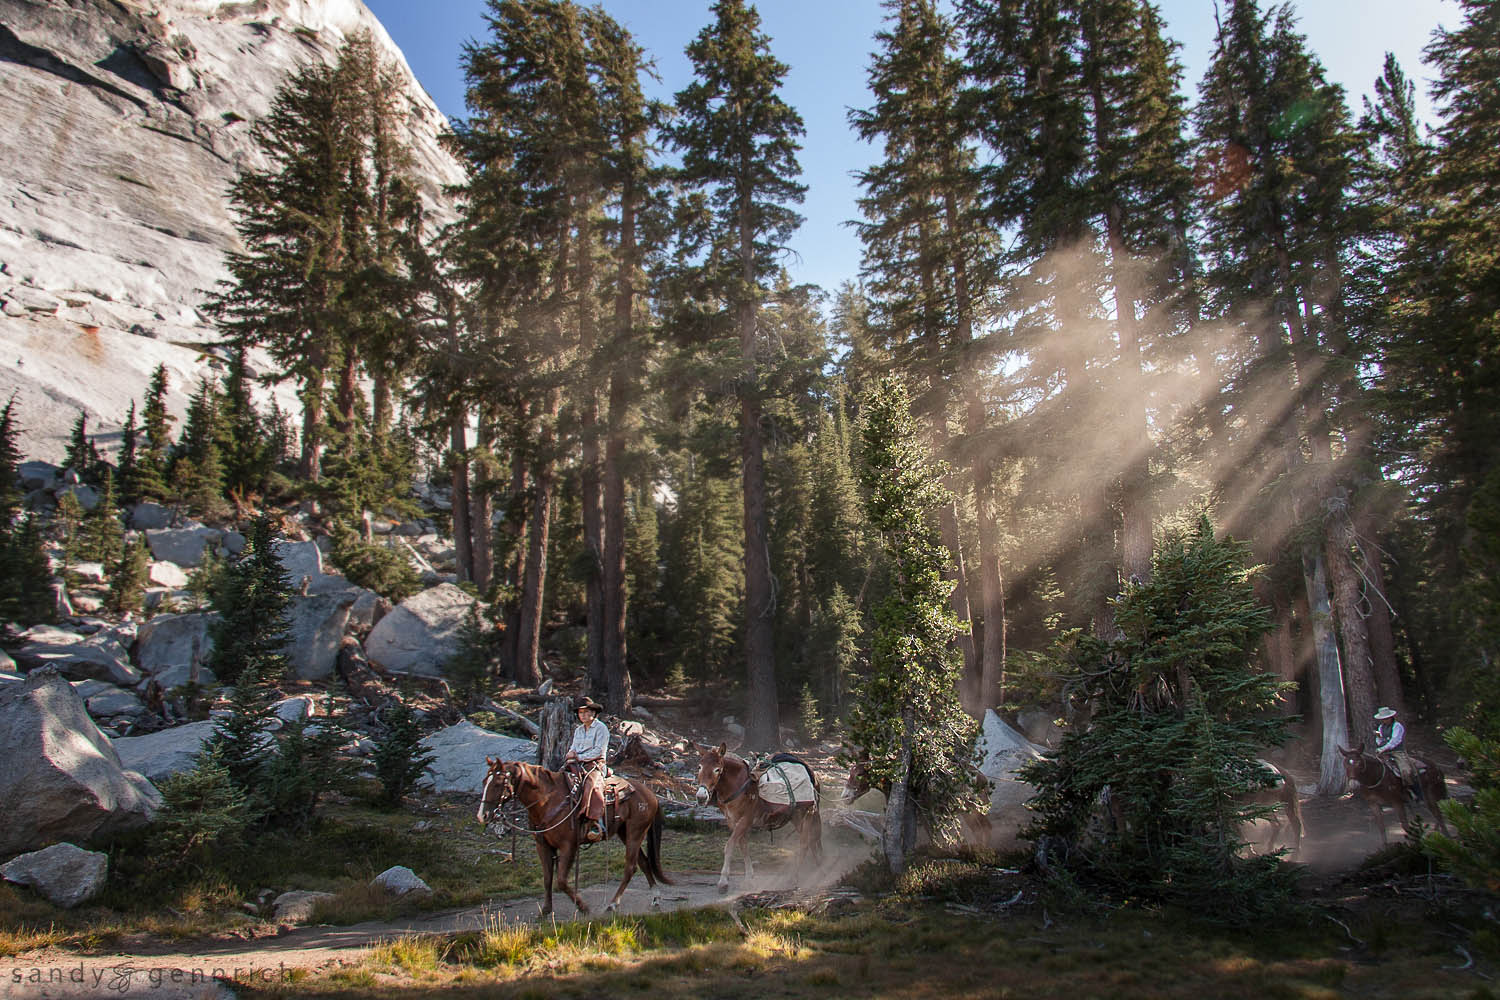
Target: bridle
<point x="508" y="794"/>
<point x="713" y="789"/>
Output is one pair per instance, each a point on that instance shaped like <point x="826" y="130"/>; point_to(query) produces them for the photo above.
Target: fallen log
<point x="532" y="729"/>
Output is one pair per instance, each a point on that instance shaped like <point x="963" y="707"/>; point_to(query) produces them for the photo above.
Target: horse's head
<point x="858" y="781"/>
<point x="498" y="788"/>
<point x="710" y="770"/>
<point x="1354" y="761"/>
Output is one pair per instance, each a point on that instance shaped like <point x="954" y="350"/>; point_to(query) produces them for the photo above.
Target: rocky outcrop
<point x="97" y="657"/>
<point x="296" y="907"/>
<point x="420" y="634"/>
<point x="63" y="874"/>
<point x="1001" y="750"/>
<point x="60" y="778"/>
<point x="167" y="646"/>
<point x="124" y="123"/>
<point x="316" y="627"/>
<point x="459" y="752"/>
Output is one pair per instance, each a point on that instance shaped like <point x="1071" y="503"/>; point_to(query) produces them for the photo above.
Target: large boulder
<point x="401" y="881"/>
<point x="296" y="907"/>
<point x="115" y="703"/>
<point x="166" y="574"/>
<point x="316" y="625"/>
<point x="459" y="752"/>
<point x="183" y="546"/>
<point x="65" y="875"/>
<point x="60" y="778"/>
<point x="150" y="515"/>
<point x="303" y="561"/>
<point x="421" y="634"/>
<point x="166" y="752"/>
<point x="98" y="657"/>
<point x="1001" y="751"/>
<point x="173" y="642"/>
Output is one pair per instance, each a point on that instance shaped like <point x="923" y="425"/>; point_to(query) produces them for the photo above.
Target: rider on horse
<point x="1389" y="737"/>
<point x="586" y="753"/>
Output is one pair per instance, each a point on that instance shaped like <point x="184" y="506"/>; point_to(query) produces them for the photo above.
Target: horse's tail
<point x="653" y="849"/>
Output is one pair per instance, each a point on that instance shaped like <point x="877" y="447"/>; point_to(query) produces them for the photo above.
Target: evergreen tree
<point x="10" y="464"/>
<point x="129" y="576"/>
<point x="306" y="765"/>
<point x="150" y="480"/>
<point x="128" y="472"/>
<point x="908" y="717"/>
<point x="82" y="456"/>
<point x="243" y="740"/>
<point x="198" y="472"/>
<point x="204" y="815"/>
<point x="66" y="525"/>
<point x="243" y="449"/>
<point x="739" y="140"/>
<point x="25" y="574"/>
<point x="399" y="756"/>
<point x="102" y="535"/>
<point x="252" y="600"/>
<point x="1179" y="721"/>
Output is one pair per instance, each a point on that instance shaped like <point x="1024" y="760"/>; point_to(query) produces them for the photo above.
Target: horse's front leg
<point x="548" y="858"/>
<point x="565" y="855"/>
<point x="728" y="854"/>
<point x="632" y="858"/>
<point x="745" y="825"/>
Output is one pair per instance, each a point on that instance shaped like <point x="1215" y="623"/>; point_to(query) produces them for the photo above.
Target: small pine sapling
<point x="399" y="757"/>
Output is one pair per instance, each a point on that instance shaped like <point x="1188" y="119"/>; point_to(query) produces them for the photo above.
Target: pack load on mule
<point x="580" y="805"/>
<point x="785" y="791"/>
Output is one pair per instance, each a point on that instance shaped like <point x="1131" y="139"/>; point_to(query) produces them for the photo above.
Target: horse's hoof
<point x="610" y="907"/>
<point x="723" y="888"/>
<point x="655" y="902"/>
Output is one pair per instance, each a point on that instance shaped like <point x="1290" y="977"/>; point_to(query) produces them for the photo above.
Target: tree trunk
<point x="1382" y="637"/>
<point x="482" y="506"/>
<point x="515" y="572"/>
<point x="310" y="467"/>
<point x="380" y="406"/>
<point x="556" y="733"/>
<point x="463" y="553"/>
<point x="764" y="717"/>
<point x="1280" y="653"/>
<point x="617" y="688"/>
<point x="1331" y="779"/>
<point x="529" y="634"/>
<point x="1359" y="678"/>
<point x="591" y="488"/>
<point x="992" y="588"/>
<point x="900" y="809"/>
<point x="347" y="393"/>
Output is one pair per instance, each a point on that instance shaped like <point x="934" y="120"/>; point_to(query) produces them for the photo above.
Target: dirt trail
<point x="149" y="971"/>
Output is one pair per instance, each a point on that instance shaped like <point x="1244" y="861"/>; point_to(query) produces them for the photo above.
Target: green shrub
<point x="203" y="813"/>
<point x="1473" y="851"/>
<point x="399" y="757"/>
<point x="377" y="567"/>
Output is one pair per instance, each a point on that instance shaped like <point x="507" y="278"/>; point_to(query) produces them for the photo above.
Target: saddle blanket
<point x="786" y="783"/>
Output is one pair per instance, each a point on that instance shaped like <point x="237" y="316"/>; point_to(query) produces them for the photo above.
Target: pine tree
<point x="198" y="472"/>
<point x="10" y="464"/>
<point x="243" y="741"/>
<point x="252" y="600"/>
<point x="1178" y="724"/>
<point x="25" y="574"/>
<point x="150" y="480"/>
<point x="908" y="717"/>
<point x="102" y="535"/>
<point x="128" y="577"/>
<point x="128" y="472"/>
<point x="243" y="448"/>
<point x="82" y="456"/>
<point x="739" y="140"/>
<point x="399" y="756"/>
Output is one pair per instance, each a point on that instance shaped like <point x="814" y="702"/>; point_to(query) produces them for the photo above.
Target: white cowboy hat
<point x="1385" y="713"/>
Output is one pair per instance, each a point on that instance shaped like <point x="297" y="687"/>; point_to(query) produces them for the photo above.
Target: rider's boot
<point x="596" y="831"/>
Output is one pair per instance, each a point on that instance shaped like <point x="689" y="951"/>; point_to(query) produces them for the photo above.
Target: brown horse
<point x="556" y="822"/>
<point x="725" y="780"/>
<point x="974" y="826"/>
<point x="1377" y="784"/>
<point x="1287" y="807"/>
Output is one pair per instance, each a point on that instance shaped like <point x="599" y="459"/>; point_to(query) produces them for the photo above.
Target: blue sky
<point x="827" y="44"/>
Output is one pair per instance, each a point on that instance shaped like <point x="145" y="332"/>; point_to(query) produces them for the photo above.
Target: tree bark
<point x="515" y="526"/>
<point x="618" y="691"/>
<point x="482" y="505"/>
<point x="900" y="809"/>
<point x="1331" y="779"/>
<point x="529" y="634"/>
<point x="590" y="474"/>
<point x="463" y="553"/>
<point x="556" y="733"/>
<point x="1359" y="678"/>
<point x="310" y="467"/>
<point x="763" y="728"/>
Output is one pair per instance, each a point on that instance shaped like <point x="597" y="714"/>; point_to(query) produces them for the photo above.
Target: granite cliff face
<point x="124" y="122"/>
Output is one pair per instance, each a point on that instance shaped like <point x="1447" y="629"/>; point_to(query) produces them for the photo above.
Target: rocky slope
<point x="123" y="124"/>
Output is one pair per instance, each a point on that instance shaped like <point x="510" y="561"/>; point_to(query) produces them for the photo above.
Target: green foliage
<point x="10" y="463"/>
<point x="252" y="601"/>
<point x="399" y="757"/>
<point x="82" y="456"/>
<point x="832" y="646"/>
<point x="204" y="813"/>
<point x="101" y="534"/>
<point x="908" y="702"/>
<point x="1180" y="716"/>
<point x="471" y="669"/>
<point x="25" y="575"/>
<point x="198" y="470"/>
<point x="66" y="522"/>
<point x="808" y="714"/>
<point x="149" y="480"/>
<point x="307" y="763"/>
<point x="129" y="576"/>
<point x="242" y="741"/>
<point x="1473" y="851"/>
<point x="375" y="566"/>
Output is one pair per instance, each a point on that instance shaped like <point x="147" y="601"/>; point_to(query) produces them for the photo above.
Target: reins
<point x="516" y="828"/>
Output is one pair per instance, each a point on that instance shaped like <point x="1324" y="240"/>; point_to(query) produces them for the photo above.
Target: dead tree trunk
<point x="900" y="808"/>
<point x="556" y="733"/>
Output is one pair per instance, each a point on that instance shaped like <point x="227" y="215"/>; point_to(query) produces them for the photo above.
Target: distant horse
<point x="556" y="822"/>
<point x="974" y="826"/>
<point x="725" y="780"/>
<point x="1377" y="784"/>
<point x="1288" y="807"/>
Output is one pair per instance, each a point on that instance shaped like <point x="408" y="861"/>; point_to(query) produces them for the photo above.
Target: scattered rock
<point x="183" y="546"/>
<point x="114" y="704"/>
<point x="149" y="516"/>
<point x="87" y="496"/>
<point x="166" y="574"/>
<point x="88" y="572"/>
<point x="172" y="643"/>
<point x="316" y="625"/>
<point x="401" y="881"/>
<point x="295" y="709"/>
<point x="100" y="656"/>
<point x="37" y="475"/>
<point x="1001" y="751"/>
<point x="65" y="875"/>
<point x="60" y="778"/>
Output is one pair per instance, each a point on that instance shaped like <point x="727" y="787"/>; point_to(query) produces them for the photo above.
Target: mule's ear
<point x="722" y="749"/>
<point x="490" y="761"/>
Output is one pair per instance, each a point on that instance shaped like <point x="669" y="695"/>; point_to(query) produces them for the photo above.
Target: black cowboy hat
<point x="587" y="702"/>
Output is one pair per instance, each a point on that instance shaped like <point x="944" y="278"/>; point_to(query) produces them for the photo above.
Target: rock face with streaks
<point x="122" y="124"/>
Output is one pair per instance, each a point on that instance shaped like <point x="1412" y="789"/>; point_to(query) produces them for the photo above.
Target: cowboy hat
<point x="1385" y="713"/>
<point x="587" y="702"/>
